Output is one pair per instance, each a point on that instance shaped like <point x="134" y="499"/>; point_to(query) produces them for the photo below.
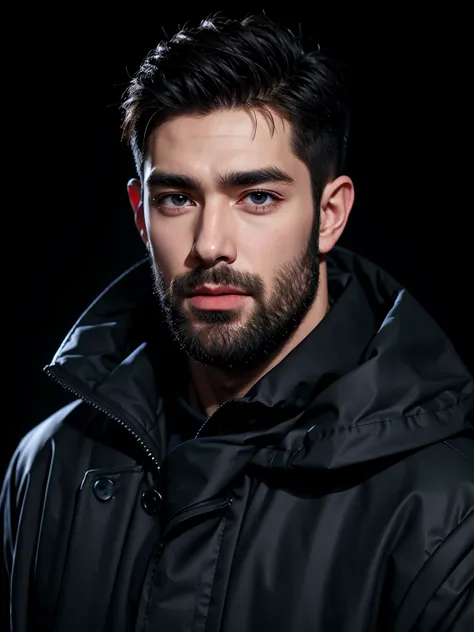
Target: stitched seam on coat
<point x="253" y="484"/>
<point x="155" y="561"/>
<point x="113" y="589"/>
<point x="67" y="561"/>
<point x="46" y="493"/>
<point x="380" y="421"/>
<point x="224" y="520"/>
<point x="459" y="452"/>
<point x="421" y="414"/>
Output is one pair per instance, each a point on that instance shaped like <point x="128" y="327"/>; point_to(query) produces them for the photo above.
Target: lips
<point x="218" y="290"/>
<point x="219" y="297"/>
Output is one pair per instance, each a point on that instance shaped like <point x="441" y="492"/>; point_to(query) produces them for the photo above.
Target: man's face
<point x="229" y="213"/>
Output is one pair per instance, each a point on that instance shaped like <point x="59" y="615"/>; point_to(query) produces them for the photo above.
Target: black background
<point x="67" y="227"/>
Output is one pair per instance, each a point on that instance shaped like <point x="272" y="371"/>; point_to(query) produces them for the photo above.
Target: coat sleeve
<point x="21" y="503"/>
<point x="441" y="598"/>
<point x="11" y="501"/>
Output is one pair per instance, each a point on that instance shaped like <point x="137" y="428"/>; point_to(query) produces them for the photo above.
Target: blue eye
<point x="260" y="197"/>
<point x="176" y="199"/>
<point x="172" y="203"/>
<point x="260" y="201"/>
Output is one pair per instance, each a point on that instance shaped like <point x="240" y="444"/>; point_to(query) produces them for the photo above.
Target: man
<point x="278" y="437"/>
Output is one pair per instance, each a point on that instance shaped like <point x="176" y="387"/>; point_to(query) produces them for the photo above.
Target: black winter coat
<point x="336" y="496"/>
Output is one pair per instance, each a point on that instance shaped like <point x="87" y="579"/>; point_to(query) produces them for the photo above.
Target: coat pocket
<point x="107" y="500"/>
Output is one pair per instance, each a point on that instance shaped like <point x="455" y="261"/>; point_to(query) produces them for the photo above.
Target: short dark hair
<point x="254" y="63"/>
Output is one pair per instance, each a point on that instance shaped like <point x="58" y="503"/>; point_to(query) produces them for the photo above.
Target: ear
<point x="336" y="204"/>
<point x="134" y="189"/>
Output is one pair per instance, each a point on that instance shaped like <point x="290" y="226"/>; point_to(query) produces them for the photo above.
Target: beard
<point x="220" y="338"/>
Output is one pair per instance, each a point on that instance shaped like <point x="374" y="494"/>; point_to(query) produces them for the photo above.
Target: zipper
<point x="211" y="416"/>
<point x="218" y="409"/>
<point x="149" y="454"/>
<point x="209" y="420"/>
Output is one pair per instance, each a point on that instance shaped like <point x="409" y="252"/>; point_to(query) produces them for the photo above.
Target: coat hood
<point x="376" y="378"/>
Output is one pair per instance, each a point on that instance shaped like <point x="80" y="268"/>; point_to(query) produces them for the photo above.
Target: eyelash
<point x="170" y="210"/>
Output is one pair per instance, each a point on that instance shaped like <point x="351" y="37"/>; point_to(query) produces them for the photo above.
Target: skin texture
<point x="224" y="229"/>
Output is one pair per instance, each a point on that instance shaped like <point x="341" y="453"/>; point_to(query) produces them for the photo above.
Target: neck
<point x="210" y="387"/>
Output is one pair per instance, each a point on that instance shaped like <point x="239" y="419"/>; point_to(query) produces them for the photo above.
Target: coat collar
<point x="375" y="378"/>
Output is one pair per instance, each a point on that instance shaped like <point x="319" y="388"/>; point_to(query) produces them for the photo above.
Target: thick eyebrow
<point x="255" y="177"/>
<point x="172" y="180"/>
<point x="232" y="179"/>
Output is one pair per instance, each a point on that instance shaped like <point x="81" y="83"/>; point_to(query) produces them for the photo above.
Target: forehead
<point x="222" y="140"/>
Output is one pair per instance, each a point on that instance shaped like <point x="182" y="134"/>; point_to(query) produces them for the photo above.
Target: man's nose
<point x="215" y="235"/>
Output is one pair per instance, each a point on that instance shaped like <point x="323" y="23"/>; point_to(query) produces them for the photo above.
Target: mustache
<point x="183" y="284"/>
